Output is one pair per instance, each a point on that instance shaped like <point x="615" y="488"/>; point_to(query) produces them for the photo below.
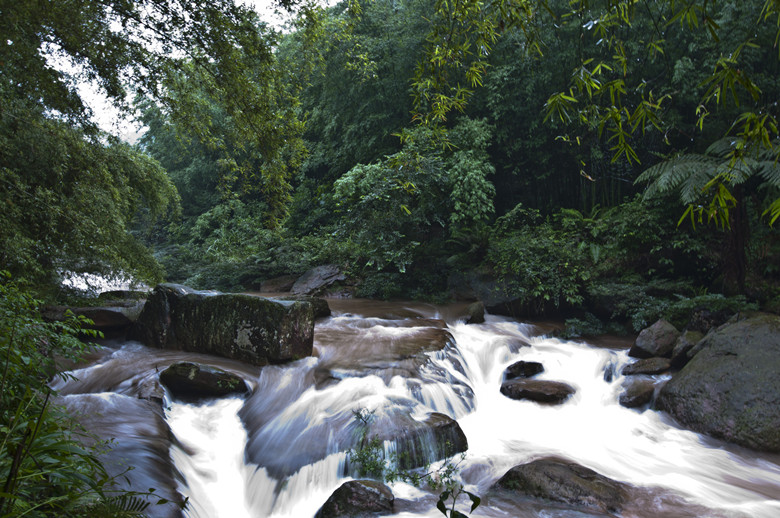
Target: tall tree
<point x="58" y="169"/>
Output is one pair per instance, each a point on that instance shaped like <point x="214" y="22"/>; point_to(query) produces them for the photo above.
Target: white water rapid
<point x="300" y="426"/>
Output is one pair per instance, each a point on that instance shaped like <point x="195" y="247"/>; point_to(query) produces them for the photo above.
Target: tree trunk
<point x="735" y="256"/>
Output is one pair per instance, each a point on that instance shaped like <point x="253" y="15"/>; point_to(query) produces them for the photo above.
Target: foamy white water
<point x="293" y="417"/>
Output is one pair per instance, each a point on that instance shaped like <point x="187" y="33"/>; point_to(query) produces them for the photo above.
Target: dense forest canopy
<point x="413" y="142"/>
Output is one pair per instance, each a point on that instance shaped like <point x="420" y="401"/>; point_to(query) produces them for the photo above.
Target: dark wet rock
<point x="316" y="280"/>
<point x="358" y="498"/>
<point x="683" y="346"/>
<point x="187" y="379"/>
<point x="637" y="393"/>
<point x="110" y="320"/>
<point x="320" y="305"/>
<point x="137" y="457"/>
<point x="252" y="329"/>
<point x="523" y="369"/>
<point x="731" y="388"/>
<point x="656" y="340"/>
<point x="647" y="366"/>
<point x="152" y="391"/>
<point x="419" y="443"/>
<point x="278" y="284"/>
<point x="123" y="295"/>
<point x="541" y="391"/>
<point x="566" y="482"/>
<point x="475" y="313"/>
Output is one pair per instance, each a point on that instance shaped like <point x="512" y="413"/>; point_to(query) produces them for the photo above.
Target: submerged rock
<point x="647" y="366"/>
<point x="656" y="340"/>
<point x="523" y="369"/>
<point x="187" y="379"/>
<point x="419" y="443"/>
<point x="564" y="481"/>
<point x="637" y="393"/>
<point x="541" y="391"/>
<point x="358" y="498"/>
<point x="252" y="329"/>
<point x="731" y="388"/>
<point x="475" y="313"/>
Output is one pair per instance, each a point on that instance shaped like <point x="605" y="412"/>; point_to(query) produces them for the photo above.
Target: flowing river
<point x="283" y="450"/>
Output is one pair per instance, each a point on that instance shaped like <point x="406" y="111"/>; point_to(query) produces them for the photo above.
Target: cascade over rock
<point x="567" y="482"/>
<point x="419" y="443"/>
<point x="358" y="498"/>
<point x="252" y="329"/>
<point x="138" y="458"/>
<point x="731" y="388"/>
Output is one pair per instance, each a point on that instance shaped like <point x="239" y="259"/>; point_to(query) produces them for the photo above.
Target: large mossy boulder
<point x="248" y="328"/>
<point x="566" y="482"/>
<point x="358" y="498"/>
<point x="731" y="388"/>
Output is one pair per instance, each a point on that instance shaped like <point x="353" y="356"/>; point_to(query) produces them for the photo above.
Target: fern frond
<point x="721" y="148"/>
<point x="122" y="506"/>
<point x="681" y="173"/>
<point x="770" y="172"/>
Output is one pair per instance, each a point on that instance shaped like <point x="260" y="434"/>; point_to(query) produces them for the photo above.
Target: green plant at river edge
<point x="44" y="469"/>
<point x="370" y="461"/>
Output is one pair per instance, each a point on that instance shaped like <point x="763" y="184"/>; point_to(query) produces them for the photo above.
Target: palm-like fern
<point x="725" y="164"/>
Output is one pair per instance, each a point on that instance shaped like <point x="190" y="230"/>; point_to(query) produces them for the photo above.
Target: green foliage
<point x="641" y="305"/>
<point x="370" y="461"/>
<point x="537" y="265"/>
<point x="70" y="200"/>
<point x="44" y="470"/>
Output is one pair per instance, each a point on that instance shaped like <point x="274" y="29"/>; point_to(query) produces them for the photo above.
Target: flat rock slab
<point x="358" y="498"/>
<point x="647" y="366"/>
<point x="186" y="379"/>
<point x="541" y="391"/>
<point x="559" y="480"/>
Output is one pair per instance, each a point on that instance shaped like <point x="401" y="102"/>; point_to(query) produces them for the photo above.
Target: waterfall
<point x="283" y="450"/>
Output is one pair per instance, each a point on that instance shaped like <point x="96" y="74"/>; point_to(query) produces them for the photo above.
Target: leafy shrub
<point x="45" y="470"/>
<point x="538" y="266"/>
